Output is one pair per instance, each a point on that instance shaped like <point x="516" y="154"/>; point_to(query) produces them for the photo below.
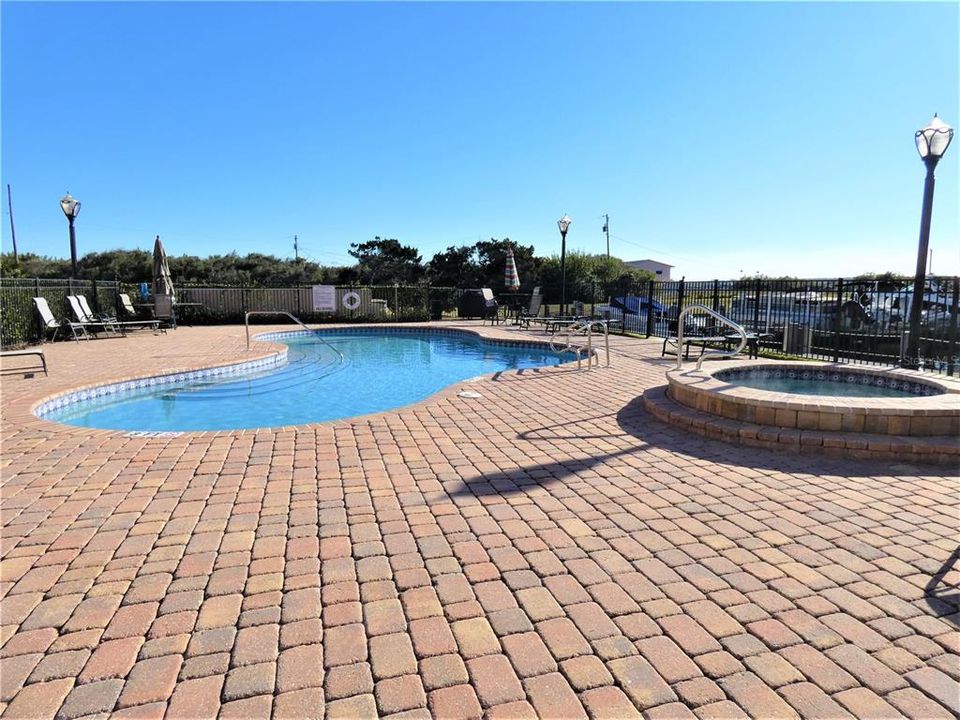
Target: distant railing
<point x="842" y="320"/>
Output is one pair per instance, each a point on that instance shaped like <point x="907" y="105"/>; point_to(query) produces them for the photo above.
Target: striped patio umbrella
<point x="511" y="280"/>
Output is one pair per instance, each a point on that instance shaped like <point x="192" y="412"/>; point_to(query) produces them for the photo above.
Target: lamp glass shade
<point x="70" y="206"/>
<point x="934" y="139"/>
<point x="563" y="223"/>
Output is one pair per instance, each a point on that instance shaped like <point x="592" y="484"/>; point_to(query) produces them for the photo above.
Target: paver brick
<point x="528" y="654"/>
<point x="307" y="704"/>
<point x="401" y="693"/>
<point x="457" y="701"/>
<point x="494" y="680"/>
<point x="91" y="699"/>
<point x="392" y="656"/>
<point x="197" y="698"/>
<point x="609" y="703"/>
<point x="443" y="671"/>
<point x="638" y="679"/>
<point x="552" y="697"/>
<point x="39" y="701"/>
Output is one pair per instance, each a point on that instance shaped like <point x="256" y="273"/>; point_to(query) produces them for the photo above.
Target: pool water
<point x="819" y="387"/>
<point x="381" y="371"/>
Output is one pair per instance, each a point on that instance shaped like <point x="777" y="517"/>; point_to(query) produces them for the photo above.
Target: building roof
<point x="650" y="260"/>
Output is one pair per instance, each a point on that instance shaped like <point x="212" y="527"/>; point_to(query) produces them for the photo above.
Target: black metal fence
<point x="842" y="320"/>
<point x="216" y="305"/>
<point x="19" y="320"/>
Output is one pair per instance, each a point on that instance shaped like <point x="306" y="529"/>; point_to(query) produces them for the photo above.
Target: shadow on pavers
<point x="939" y="592"/>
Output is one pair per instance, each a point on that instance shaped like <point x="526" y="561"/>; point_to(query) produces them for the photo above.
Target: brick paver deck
<point x="547" y="550"/>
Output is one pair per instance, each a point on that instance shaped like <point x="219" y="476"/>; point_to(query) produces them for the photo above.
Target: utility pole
<point x="606" y="229"/>
<point x="296" y="249"/>
<point x="13" y="230"/>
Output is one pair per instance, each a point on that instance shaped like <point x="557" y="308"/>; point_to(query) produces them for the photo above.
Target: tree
<point x="386" y="261"/>
<point x="454" y="267"/>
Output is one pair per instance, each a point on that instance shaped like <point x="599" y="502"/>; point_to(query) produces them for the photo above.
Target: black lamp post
<point x="932" y="143"/>
<point x="563" y="223"/>
<point x="71" y="208"/>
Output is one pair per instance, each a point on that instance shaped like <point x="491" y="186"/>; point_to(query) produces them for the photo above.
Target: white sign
<point x="324" y="298"/>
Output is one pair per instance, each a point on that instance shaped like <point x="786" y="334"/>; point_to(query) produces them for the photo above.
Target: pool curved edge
<point x="920" y="416"/>
<point x="45" y="405"/>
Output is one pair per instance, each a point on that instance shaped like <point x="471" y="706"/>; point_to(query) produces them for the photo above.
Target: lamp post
<point x="71" y="208"/>
<point x="932" y="143"/>
<point x="563" y="223"/>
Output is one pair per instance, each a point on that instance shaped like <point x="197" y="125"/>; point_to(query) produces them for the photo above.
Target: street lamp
<point x="932" y="143"/>
<point x="563" y="223"/>
<point x="71" y="208"/>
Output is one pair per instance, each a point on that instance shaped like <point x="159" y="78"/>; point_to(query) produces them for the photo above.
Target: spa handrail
<point x="710" y="353"/>
<point x="246" y="322"/>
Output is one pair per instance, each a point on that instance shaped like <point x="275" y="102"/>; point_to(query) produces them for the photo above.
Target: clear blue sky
<point x="721" y="137"/>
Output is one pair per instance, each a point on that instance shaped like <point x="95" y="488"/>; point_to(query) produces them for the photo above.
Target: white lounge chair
<point x="87" y="320"/>
<point x="49" y="322"/>
<point x="27" y="352"/>
<point x="109" y="322"/>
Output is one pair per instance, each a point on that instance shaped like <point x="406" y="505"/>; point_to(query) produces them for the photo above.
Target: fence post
<point x="299" y="309"/>
<point x="952" y="337"/>
<point x="756" y="305"/>
<point x="96" y="299"/>
<point x="680" y="293"/>
<point x="716" y="295"/>
<point x="837" y="321"/>
<point x="649" y="308"/>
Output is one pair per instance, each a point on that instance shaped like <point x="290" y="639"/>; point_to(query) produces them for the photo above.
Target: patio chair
<point x="127" y="305"/>
<point x="101" y="317"/>
<point x="532" y="311"/>
<point x="704" y="339"/>
<point x="111" y="320"/>
<point x="163" y="310"/>
<point x="49" y="322"/>
<point x="492" y="309"/>
<point x="88" y="321"/>
<point x="27" y="371"/>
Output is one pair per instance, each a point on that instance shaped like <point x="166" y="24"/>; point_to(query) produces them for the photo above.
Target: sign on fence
<point x="324" y="298"/>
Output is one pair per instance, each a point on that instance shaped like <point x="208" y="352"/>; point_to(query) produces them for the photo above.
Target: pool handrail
<point x="584" y="325"/>
<point x="709" y="353"/>
<point x="246" y="322"/>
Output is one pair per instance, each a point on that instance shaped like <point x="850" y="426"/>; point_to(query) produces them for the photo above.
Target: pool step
<point x="941" y="450"/>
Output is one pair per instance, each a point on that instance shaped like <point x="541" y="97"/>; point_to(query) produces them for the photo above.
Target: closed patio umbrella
<point x="511" y="280"/>
<point x="162" y="280"/>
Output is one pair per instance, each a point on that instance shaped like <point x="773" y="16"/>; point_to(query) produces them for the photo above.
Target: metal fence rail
<point x="19" y="322"/>
<point x="842" y="320"/>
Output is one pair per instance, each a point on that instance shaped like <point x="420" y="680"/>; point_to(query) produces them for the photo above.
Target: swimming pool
<point x="383" y="368"/>
<point x="828" y="384"/>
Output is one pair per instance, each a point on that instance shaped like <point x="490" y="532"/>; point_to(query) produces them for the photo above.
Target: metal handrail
<point x="709" y="353"/>
<point x="580" y="325"/>
<point x="246" y="322"/>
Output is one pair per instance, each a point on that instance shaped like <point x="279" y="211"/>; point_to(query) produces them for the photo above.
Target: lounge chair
<point x="704" y="340"/>
<point x="122" y="326"/>
<point x="532" y="311"/>
<point x="492" y="309"/>
<point x="101" y="317"/>
<point x="26" y="353"/>
<point x="127" y="305"/>
<point x="49" y="322"/>
<point x="88" y="321"/>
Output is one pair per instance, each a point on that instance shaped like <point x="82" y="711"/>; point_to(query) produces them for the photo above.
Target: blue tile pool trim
<point x="840" y="377"/>
<point x="402" y="330"/>
<point x="179" y="378"/>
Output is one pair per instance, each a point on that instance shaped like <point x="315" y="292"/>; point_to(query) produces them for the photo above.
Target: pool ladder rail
<point x="709" y="353"/>
<point x="584" y="325"/>
<point x="317" y="333"/>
